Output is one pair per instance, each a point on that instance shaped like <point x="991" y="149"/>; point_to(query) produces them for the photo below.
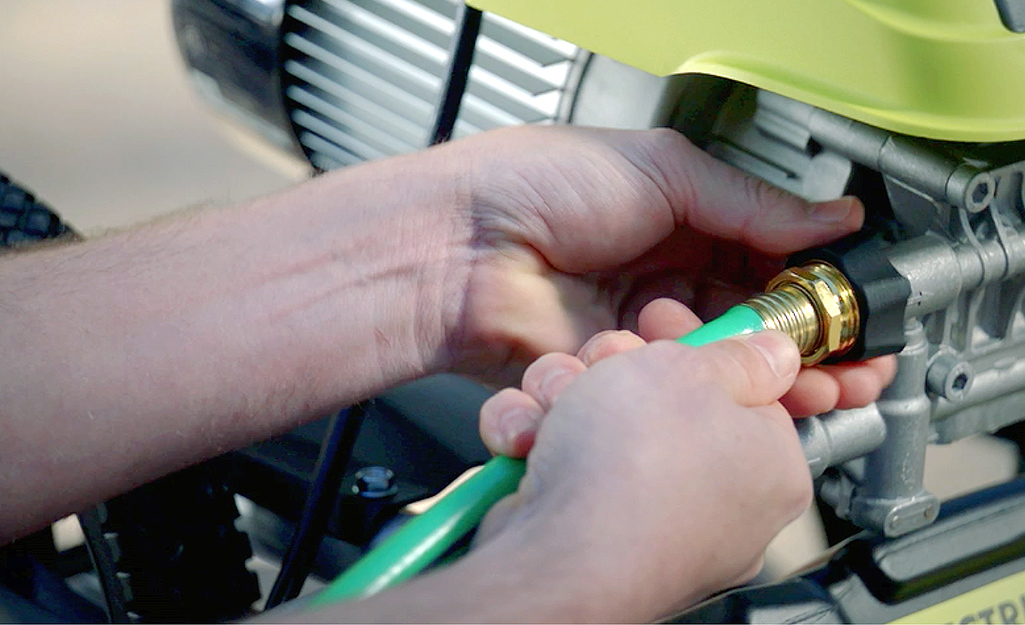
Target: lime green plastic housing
<point x="942" y="69"/>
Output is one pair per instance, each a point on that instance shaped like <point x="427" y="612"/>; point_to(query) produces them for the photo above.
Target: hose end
<point x="815" y="305"/>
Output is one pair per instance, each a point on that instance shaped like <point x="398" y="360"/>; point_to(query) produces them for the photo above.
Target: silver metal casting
<point x="959" y="240"/>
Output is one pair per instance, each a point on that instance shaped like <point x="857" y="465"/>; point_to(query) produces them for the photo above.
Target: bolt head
<point x="375" y="482"/>
<point x="949" y="377"/>
<point x="832" y="317"/>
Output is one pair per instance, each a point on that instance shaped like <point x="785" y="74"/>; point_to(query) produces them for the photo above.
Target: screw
<point x="949" y="377"/>
<point x="375" y="483"/>
<point x="980" y="193"/>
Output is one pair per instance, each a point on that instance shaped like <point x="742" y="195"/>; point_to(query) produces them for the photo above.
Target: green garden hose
<point x="791" y="305"/>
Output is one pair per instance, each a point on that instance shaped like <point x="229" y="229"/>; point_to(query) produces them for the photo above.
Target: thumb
<point x="718" y="199"/>
<point x="755" y="370"/>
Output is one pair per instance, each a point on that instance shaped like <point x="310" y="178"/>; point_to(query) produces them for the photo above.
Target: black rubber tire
<point x="24" y="220"/>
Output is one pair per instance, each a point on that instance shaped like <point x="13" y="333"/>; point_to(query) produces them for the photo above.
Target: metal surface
<point x="344" y="81"/>
<point x="362" y="77"/>
<point x="955" y="230"/>
<point x="232" y="49"/>
<point x="814" y="304"/>
<point x="891" y="495"/>
<point x="773" y="143"/>
<point x="839" y="436"/>
<point x="913" y="162"/>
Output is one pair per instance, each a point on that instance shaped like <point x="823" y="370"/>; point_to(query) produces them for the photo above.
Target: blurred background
<point x="97" y="117"/>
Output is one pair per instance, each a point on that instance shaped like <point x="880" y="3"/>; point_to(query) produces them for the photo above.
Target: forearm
<point x="132" y="355"/>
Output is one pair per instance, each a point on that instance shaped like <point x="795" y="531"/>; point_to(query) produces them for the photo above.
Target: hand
<point x="510" y="419"/>
<point x="573" y="231"/>
<point x="663" y="471"/>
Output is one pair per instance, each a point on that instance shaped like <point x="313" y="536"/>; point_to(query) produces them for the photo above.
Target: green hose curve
<point x="425" y="538"/>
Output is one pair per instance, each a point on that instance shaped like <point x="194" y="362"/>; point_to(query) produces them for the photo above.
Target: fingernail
<point x="593" y="349"/>
<point x="778" y="350"/>
<point x="831" y="212"/>
<point x="514" y="423"/>
<point x="548" y="386"/>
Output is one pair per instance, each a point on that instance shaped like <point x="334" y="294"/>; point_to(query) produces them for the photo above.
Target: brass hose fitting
<point x="815" y="305"/>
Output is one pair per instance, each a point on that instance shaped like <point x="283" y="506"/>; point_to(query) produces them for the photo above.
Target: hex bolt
<point x="980" y="192"/>
<point x="949" y="377"/>
<point x="375" y="483"/>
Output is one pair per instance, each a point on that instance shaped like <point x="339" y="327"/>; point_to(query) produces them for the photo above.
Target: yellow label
<point x="1002" y="601"/>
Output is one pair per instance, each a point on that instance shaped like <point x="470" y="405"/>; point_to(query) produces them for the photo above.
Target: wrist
<point x="384" y="244"/>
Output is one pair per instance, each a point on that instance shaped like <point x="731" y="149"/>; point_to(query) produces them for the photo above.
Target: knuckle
<point x="740" y="365"/>
<point x="541" y="367"/>
<point x="668" y="160"/>
<point x="665" y="139"/>
<point x="672" y="357"/>
<point x="493" y="405"/>
<point x="761" y="194"/>
<point x="730" y="365"/>
<point x="608" y="343"/>
<point x="668" y="364"/>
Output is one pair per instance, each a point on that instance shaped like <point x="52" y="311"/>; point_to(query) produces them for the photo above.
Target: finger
<point x="608" y="343"/>
<point x="859" y="386"/>
<point x="721" y="200"/>
<point x="825" y="387"/>
<point x="666" y="318"/>
<point x="861" y="383"/>
<point x="509" y="421"/>
<point x="885" y="367"/>
<point x="754" y="370"/>
<point x="815" y="391"/>
<point x="549" y="375"/>
<point x="669" y="283"/>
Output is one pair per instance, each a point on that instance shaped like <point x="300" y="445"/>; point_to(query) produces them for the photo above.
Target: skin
<point x="621" y="516"/>
<point x="510" y="419"/>
<point x="147" y="350"/>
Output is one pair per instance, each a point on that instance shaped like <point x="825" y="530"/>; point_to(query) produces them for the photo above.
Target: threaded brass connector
<point x="815" y="305"/>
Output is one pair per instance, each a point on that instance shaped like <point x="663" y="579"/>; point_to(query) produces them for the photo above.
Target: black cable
<point x="105" y="563"/>
<point x="335" y="453"/>
<point x="341" y="435"/>
<point x="459" y="63"/>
